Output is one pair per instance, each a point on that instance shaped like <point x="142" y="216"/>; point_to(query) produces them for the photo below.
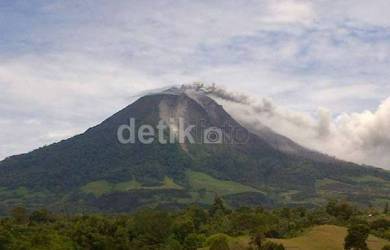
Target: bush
<point x="194" y="241"/>
<point x="216" y="237"/>
<point x="269" y="245"/>
<point x="386" y="235"/>
<point x="220" y="244"/>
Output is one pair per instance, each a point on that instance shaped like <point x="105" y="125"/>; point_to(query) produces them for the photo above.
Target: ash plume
<point x="360" y="137"/>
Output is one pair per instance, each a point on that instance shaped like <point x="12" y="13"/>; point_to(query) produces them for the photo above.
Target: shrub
<point x="269" y="245"/>
<point x="387" y="247"/>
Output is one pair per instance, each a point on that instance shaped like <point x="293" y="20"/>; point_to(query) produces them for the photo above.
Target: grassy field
<point x="369" y="179"/>
<point x="101" y="187"/>
<point x="198" y="182"/>
<point x="202" y="181"/>
<point x="326" y="237"/>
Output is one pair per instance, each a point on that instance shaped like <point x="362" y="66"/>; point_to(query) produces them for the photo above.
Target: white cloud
<point x="360" y="12"/>
<point x="289" y="11"/>
<point x="359" y="137"/>
<point x="46" y="99"/>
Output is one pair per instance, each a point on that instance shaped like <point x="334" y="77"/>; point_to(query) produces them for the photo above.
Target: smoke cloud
<point x="363" y="137"/>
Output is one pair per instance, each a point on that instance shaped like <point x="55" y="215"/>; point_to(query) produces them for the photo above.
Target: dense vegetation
<point x="191" y="228"/>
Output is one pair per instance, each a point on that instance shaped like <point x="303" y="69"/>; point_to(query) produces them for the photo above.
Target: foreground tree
<point x="258" y="238"/>
<point x="356" y="238"/>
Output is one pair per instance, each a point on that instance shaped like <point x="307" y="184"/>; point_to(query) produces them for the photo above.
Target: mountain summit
<point x="96" y="171"/>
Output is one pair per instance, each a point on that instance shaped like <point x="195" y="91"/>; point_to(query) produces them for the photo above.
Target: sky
<point x="322" y="65"/>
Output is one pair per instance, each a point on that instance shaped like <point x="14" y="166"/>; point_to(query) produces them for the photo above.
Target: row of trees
<point x="189" y="229"/>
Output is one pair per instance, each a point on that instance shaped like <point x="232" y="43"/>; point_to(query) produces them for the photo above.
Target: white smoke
<point x="359" y="137"/>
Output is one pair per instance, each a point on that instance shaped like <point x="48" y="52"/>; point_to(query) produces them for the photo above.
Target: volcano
<point x="95" y="171"/>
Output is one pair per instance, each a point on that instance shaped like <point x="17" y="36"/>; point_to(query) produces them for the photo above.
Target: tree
<point x="341" y="210"/>
<point x="220" y="244"/>
<point x="257" y="239"/>
<point x="173" y="244"/>
<point x="5" y="238"/>
<point x="356" y="238"/>
<point x="45" y="239"/>
<point x="198" y="215"/>
<point x="41" y="216"/>
<point x="331" y="207"/>
<point x="152" y="227"/>
<point x="218" y="206"/>
<point x="380" y="225"/>
<point x="20" y="215"/>
<point x="387" y="247"/>
<point x="242" y="222"/>
<point x="193" y="241"/>
<point x="286" y="213"/>
<point x="183" y="226"/>
<point x="386" y="210"/>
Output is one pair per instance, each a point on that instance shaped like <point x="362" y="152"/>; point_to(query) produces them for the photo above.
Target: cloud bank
<point x="358" y="137"/>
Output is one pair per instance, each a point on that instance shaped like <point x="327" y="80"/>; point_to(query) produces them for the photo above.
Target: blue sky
<point x="66" y="65"/>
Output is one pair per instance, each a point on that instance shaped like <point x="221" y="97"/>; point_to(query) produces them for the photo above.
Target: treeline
<point x="192" y="228"/>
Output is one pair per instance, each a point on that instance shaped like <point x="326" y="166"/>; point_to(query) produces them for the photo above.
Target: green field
<point x="101" y="187"/>
<point x="202" y="187"/>
<point x="325" y="237"/>
<point x="201" y="181"/>
<point x="369" y="179"/>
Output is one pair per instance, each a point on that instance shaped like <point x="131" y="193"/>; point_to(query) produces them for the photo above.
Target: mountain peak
<point x="196" y="92"/>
